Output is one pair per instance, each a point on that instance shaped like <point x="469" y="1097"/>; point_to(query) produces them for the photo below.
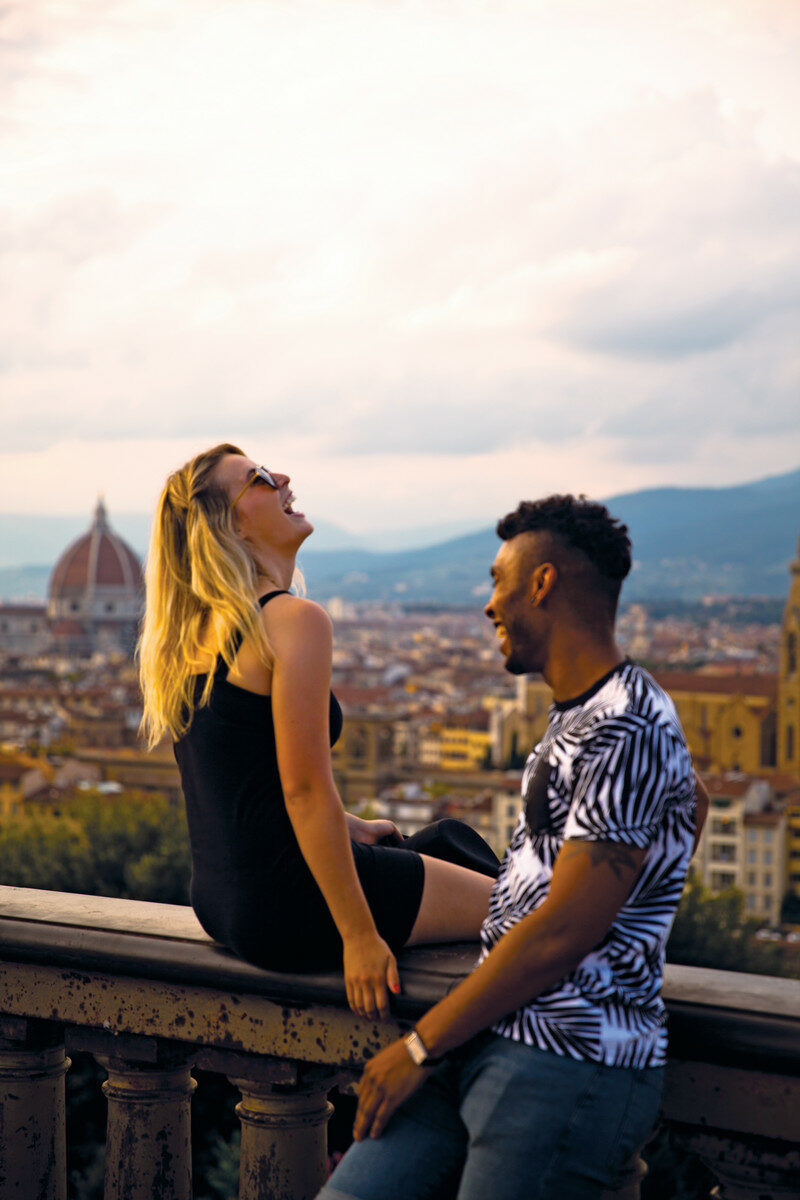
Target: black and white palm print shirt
<point x="612" y="767"/>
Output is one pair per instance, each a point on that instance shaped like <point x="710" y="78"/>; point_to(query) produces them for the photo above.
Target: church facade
<point x="95" y="600"/>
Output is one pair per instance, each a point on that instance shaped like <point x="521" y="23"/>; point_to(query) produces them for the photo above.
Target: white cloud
<point x="378" y="233"/>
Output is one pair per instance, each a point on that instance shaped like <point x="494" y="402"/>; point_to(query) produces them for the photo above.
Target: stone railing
<point x="143" y="989"/>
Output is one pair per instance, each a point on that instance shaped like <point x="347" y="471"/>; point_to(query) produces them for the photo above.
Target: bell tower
<point x="789" y="679"/>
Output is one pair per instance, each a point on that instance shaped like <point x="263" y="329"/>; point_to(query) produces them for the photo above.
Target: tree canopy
<point x="133" y="845"/>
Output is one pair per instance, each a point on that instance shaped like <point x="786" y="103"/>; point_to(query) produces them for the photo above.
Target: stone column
<point x="33" y="1150"/>
<point x="284" y="1144"/>
<point x="148" y="1141"/>
<point x="746" y="1168"/>
<point x="743" y="1124"/>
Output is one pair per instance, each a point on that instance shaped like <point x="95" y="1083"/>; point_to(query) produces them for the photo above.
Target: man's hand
<point x="389" y="1078"/>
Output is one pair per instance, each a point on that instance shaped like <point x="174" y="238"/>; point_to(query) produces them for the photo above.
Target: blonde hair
<point x="196" y="565"/>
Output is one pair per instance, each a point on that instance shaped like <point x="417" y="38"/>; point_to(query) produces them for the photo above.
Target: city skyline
<point x="425" y="258"/>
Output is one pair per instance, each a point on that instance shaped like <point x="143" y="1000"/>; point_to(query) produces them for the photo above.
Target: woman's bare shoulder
<point x="289" y="620"/>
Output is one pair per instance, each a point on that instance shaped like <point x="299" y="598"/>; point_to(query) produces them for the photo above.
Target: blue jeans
<point x="503" y="1121"/>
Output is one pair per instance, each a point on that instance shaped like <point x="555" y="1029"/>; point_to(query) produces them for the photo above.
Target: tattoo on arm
<point x="620" y="858"/>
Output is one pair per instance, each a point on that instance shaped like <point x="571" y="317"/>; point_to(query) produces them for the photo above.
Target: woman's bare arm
<point x="300" y="634"/>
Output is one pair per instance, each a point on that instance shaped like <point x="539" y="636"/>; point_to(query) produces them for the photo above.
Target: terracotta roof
<point x="770" y="817"/>
<point x="739" y="684"/>
<point x="67" y="628"/>
<point x="718" y="785"/>
<point x="22" y="610"/>
<point x="784" y="785"/>
<point x="476" y="721"/>
<point x="12" y="772"/>
<point x="14" y="716"/>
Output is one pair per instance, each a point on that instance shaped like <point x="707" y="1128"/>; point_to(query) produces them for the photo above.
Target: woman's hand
<point x="369" y="969"/>
<point x="371" y="832"/>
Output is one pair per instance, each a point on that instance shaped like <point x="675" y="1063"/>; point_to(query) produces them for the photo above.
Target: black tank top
<point x="245" y="856"/>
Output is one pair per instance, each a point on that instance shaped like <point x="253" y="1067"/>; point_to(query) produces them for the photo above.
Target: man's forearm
<point x="590" y="883"/>
<point x="526" y="961"/>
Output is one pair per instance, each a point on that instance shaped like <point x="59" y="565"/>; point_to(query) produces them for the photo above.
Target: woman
<point x="237" y="670"/>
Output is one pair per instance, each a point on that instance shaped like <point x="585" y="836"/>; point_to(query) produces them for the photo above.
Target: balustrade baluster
<point x="32" y="1113"/>
<point x="746" y="1168"/>
<point x="148" y="1140"/>
<point x="284" y="1145"/>
<point x="744" y="1125"/>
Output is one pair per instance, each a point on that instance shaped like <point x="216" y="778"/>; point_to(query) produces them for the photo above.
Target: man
<point x="541" y="1072"/>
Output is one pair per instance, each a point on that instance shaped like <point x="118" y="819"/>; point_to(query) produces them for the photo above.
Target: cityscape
<point x="433" y="725"/>
<point x="433" y="728"/>
<point x="420" y="265"/>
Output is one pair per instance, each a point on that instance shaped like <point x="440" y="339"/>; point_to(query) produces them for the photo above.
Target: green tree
<point x="133" y="845"/>
<point x="790" y="909"/>
<point x="711" y="930"/>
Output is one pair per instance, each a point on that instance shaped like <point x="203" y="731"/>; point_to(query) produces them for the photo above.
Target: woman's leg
<point x="454" y="903"/>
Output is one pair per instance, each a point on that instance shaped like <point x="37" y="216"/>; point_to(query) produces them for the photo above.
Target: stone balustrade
<point x="143" y="989"/>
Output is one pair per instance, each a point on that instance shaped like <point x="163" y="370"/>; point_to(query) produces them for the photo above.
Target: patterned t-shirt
<point x="612" y="767"/>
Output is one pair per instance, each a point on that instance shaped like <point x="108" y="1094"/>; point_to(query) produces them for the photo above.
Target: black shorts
<point x="300" y="934"/>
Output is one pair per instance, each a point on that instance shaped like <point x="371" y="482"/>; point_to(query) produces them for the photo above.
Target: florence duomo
<point x="95" y="600"/>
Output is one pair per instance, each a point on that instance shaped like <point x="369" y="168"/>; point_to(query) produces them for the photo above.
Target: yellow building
<point x="147" y="771"/>
<point x="792" y="810"/>
<point x="789" y="680"/>
<point x="363" y="757"/>
<point x="463" y="749"/>
<point x="729" y="720"/>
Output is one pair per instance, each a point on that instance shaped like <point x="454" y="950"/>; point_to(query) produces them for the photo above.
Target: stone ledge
<point x="715" y="1016"/>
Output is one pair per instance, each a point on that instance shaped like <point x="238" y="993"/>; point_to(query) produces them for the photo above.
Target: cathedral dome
<point x="99" y="559"/>
<point x="97" y="583"/>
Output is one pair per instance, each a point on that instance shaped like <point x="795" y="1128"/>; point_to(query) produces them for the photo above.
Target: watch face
<point x="415" y="1048"/>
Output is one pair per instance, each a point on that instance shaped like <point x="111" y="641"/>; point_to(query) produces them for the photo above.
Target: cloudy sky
<point x="428" y="257"/>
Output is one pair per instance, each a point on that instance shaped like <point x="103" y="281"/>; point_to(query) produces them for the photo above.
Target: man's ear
<point x="542" y="582"/>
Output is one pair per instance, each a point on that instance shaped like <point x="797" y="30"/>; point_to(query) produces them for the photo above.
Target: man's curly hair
<point x="578" y="523"/>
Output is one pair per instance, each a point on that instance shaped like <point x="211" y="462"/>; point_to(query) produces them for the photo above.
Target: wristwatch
<point x="418" y="1051"/>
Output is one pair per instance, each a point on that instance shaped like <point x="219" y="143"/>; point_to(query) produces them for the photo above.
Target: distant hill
<point x="695" y="541"/>
<point x="688" y="543"/>
<point x="31" y="545"/>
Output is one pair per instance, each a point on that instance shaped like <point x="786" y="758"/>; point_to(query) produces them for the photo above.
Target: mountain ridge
<point x="688" y="543"/>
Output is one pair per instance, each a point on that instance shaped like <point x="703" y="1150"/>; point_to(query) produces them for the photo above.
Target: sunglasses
<point x="259" y="476"/>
